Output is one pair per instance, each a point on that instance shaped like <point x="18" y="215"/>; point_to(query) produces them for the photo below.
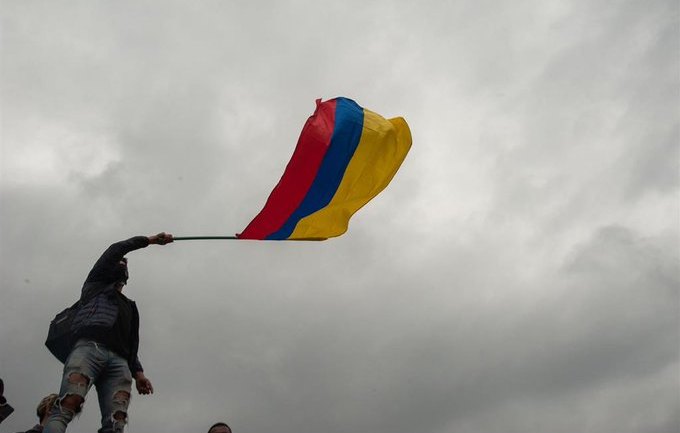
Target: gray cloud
<point x="520" y="273"/>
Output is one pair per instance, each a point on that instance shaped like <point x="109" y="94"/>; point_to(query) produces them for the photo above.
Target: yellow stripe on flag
<point x="382" y="148"/>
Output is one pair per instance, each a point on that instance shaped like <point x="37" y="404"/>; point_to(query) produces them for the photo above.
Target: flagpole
<point x="194" y="238"/>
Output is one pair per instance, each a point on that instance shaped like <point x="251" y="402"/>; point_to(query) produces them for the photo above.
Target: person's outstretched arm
<point x="103" y="269"/>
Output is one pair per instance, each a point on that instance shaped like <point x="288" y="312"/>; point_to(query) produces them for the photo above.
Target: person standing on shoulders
<point x="105" y="354"/>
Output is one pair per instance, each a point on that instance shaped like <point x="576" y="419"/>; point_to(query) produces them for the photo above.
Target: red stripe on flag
<point x="299" y="175"/>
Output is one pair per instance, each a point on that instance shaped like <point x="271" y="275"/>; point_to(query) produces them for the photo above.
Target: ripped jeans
<point x="91" y="363"/>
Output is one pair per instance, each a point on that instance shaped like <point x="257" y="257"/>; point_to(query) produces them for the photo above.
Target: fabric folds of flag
<point x="345" y="156"/>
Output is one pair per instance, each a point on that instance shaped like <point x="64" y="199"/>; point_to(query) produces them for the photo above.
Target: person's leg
<point x="114" y="390"/>
<point x="81" y="370"/>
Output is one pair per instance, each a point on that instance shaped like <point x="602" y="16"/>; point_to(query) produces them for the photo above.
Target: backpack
<point x="60" y="336"/>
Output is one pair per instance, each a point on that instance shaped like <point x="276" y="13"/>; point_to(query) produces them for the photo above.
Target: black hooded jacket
<point x="100" y="300"/>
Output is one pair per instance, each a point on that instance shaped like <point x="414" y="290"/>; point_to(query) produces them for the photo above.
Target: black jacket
<point x="99" y="310"/>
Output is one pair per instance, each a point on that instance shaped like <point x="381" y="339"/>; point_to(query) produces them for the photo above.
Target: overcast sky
<point x="519" y="275"/>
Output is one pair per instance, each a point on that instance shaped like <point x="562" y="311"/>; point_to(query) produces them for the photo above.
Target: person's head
<point x="219" y="427"/>
<point x="121" y="274"/>
<point x="45" y="406"/>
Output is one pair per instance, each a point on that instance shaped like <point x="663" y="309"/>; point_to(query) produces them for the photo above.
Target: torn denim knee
<point x="60" y="415"/>
<point x="120" y="401"/>
<point x="75" y="382"/>
<point x="119" y="421"/>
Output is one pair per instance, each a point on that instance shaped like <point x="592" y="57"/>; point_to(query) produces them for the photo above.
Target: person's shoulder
<point x="122" y="297"/>
<point x="127" y="300"/>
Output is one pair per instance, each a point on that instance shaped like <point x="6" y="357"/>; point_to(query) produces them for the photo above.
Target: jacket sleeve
<point x="135" y="366"/>
<point x="133" y="360"/>
<point x="102" y="270"/>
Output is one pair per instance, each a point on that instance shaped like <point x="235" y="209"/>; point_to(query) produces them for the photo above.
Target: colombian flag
<point x="344" y="157"/>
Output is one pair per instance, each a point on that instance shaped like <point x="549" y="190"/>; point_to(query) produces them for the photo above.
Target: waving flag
<point x="344" y="157"/>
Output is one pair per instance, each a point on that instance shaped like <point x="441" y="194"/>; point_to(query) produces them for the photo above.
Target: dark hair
<point x="45" y="405"/>
<point x="217" y="424"/>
